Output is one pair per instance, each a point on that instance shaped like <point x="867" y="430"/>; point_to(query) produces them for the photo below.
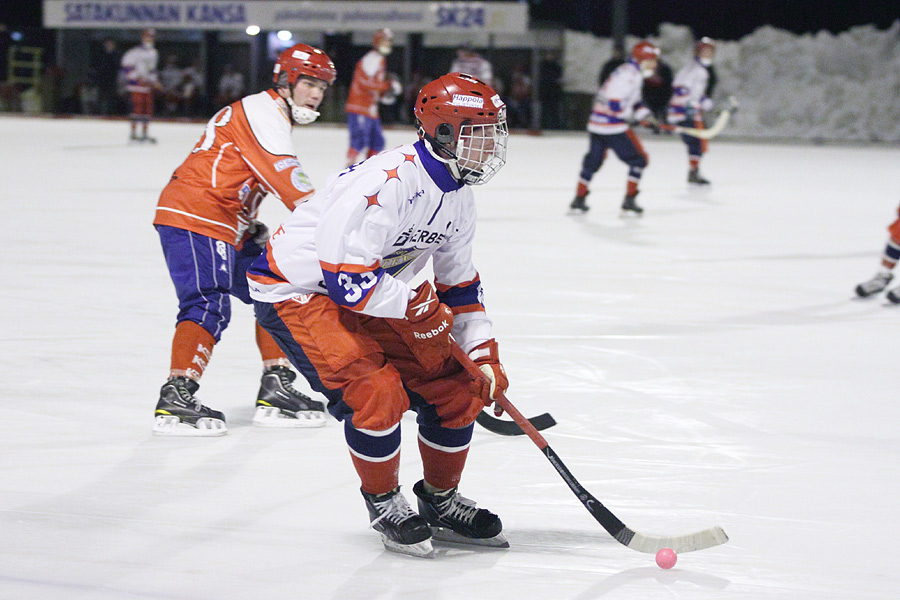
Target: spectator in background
<point x="519" y="99"/>
<point x="390" y="108"/>
<point x="192" y="88"/>
<point x="170" y="78"/>
<point x="471" y="63"/>
<point x="417" y="79"/>
<point x="614" y="62"/>
<point x="550" y="73"/>
<point x="657" y="90"/>
<point x="107" y="69"/>
<point x="89" y="94"/>
<point x="231" y="86"/>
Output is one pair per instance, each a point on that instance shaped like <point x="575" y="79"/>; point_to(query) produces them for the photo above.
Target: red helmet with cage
<point x="644" y="51"/>
<point x="383" y="41"/>
<point x="463" y="122"/>
<point x="303" y="59"/>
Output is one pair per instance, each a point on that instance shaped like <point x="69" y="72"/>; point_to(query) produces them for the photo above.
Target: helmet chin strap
<point x="450" y="161"/>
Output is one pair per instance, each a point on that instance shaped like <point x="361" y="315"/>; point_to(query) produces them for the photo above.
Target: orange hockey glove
<point x="426" y="329"/>
<point x="494" y="383"/>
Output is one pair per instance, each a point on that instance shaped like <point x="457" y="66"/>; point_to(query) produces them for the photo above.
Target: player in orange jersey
<point x="207" y="222"/>
<point x="370" y="85"/>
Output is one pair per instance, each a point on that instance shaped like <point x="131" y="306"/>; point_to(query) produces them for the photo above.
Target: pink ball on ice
<point x="666" y="558"/>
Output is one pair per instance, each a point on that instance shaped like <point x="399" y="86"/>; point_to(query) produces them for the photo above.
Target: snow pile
<point x="815" y="86"/>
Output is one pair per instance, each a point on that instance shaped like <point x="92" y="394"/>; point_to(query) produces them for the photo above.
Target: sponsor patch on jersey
<point x="286" y="163"/>
<point x="301" y="180"/>
<point x="496" y="100"/>
<point x="466" y="100"/>
<point x="395" y="262"/>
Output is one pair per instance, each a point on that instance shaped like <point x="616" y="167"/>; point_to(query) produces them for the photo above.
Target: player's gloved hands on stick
<point x="494" y="383"/>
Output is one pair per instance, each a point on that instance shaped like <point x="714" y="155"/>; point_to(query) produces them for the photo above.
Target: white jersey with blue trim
<point x="139" y="67"/>
<point x="370" y="231"/>
<point x="689" y="92"/>
<point x="618" y="101"/>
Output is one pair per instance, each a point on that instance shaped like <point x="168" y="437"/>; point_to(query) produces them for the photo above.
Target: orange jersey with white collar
<point x="245" y="145"/>
<point x="369" y="84"/>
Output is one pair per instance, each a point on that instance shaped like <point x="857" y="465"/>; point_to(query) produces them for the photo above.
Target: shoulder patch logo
<point x="301" y="180"/>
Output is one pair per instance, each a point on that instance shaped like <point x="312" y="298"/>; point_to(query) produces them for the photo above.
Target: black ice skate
<point x="402" y="529"/>
<point x="875" y="285"/>
<point x="629" y="205"/>
<point x="278" y="404"/>
<point x="694" y="176"/>
<point x="179" y="413"/>
<point x="579" y="204"/>
<point x="455" y="519"/>
<point x="893" y="296"/>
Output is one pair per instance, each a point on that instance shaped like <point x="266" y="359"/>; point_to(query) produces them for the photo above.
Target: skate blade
<point x="269" y="416"/>
<point x="630" y="214"/>
<point x="172" y="426"/>
<point x="442" y="534"/>
<point x="421" y="550"/>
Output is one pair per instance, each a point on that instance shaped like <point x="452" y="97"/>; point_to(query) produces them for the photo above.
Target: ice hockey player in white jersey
<point x="617" y="104"/>
<point x="139" y="67"/>
<point x="335" y="289"/>
<point x="691" y="91"/>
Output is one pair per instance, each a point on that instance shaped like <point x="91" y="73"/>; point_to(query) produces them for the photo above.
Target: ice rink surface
<point x="707" y="364"/>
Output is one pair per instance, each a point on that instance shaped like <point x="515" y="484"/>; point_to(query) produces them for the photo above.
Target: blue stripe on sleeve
<point x="465" y="295"/>
<point x="351" y="289"/>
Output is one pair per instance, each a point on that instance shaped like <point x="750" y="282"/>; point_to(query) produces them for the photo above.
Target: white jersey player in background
<point x="139" y="68"/>
<point x="691" y="91"/>
<point x="471" y="63"/>
<point x="334" y="289"/>
<point x="617" y="104"/>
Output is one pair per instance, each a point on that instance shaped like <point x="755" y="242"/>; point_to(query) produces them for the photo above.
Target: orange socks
<point x="192" y="348"/>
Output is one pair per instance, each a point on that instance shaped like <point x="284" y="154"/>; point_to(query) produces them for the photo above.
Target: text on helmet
<point x="466" y="100"/>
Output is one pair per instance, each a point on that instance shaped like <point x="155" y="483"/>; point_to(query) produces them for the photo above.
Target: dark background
<point x="719" y="19"/>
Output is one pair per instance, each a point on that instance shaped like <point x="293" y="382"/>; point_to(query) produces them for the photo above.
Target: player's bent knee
<point x="376" y="397"/>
